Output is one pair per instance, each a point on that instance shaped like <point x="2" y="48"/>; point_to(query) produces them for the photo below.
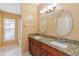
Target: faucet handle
<point x="60" y="39"/>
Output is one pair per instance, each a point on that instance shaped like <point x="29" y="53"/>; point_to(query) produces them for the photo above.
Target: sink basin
<point x="59" y="44"/>
<point x="37" y="37"/>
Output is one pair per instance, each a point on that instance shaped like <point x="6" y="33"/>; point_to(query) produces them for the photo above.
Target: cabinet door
<point x="43" y="52"/>
<point x="38" y="51"/>
<point x="34" y="50"/>
<point x="34" y="47"/>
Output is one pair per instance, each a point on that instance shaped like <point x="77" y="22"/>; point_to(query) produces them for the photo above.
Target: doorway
<point x="9" y="30"/>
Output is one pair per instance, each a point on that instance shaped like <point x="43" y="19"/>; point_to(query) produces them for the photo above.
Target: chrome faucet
<point x="60" y="39"/>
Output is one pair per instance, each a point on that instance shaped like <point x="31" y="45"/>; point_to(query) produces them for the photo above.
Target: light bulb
<point x="45" y="9"/>
<point x="42" y="12"/>
<point x="49" y="7"/>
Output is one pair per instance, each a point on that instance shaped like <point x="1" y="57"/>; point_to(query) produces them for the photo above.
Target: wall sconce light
<point x="49" y="9"/>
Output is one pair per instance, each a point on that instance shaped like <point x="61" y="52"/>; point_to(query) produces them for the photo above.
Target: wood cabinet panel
<point x="43" y="52"/>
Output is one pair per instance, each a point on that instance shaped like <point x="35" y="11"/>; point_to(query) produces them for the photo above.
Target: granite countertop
<point x="72" y="49"/>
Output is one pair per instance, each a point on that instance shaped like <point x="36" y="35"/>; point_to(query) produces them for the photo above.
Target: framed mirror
<point x="63" y="23"/>
<point x="43" y="24"/>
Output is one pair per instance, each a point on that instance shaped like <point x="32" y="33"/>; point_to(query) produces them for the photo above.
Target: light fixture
<point x="49" y="9"/>
<point x="54" y="5"/>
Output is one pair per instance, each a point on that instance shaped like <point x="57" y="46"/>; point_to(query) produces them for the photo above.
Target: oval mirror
<point x="63" y="23"/>
<point x="43" y="23"/>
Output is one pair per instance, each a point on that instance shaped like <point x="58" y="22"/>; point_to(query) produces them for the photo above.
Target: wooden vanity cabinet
<point x="37" y="48"/>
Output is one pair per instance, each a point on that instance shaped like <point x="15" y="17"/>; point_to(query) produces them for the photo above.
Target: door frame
<point x="13" y="16"/>
<point x="0" y="31"/>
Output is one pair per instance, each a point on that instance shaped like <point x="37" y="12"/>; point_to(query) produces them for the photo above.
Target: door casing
<point x="12" y="16"/>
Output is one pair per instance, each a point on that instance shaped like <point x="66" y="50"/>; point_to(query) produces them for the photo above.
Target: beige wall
<point x="73" y="9"/>
<point x="28" y="25"/>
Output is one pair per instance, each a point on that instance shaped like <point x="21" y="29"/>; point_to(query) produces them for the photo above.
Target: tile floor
<point x="26" y="54"/>
<point x="12" y="50"/>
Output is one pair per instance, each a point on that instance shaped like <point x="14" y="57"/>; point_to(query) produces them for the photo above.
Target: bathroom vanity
<point x="38" y="48"/>
<point x="44" y="46"/>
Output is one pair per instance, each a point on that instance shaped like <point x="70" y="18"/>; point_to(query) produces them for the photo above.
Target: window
<point x="9" y="29"/>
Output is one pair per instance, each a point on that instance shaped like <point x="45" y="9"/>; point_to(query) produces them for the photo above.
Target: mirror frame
<point x="62" y="12"/>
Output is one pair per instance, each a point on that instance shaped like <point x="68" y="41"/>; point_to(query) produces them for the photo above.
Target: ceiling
<point x="14" y="8"/>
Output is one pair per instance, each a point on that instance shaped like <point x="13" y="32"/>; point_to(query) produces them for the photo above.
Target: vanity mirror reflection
<point x="63" y="23"/>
